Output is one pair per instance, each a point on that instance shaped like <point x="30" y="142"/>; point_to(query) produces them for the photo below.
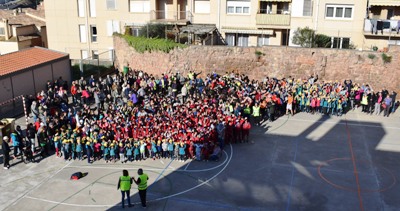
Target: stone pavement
<point x="304" y="162"/>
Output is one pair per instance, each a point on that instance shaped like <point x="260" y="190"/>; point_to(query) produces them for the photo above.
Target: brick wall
<point x="329" y="64"/>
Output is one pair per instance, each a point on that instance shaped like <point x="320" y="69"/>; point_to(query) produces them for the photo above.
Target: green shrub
<point x="88" y="70"/>
<point x="371" y="56"/>
<point x="259" y="53"/>
<point x="386" y="58"/>
<point x="143" y="44"/>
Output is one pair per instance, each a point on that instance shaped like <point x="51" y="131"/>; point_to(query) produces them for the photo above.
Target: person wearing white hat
<point x="6" y="151"/>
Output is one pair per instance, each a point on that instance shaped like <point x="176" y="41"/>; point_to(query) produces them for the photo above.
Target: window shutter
<point x="307" y="8"/>
<point x="82" y="33"/>
<point x="92" y="8"/>
<point x="81" y="8"/>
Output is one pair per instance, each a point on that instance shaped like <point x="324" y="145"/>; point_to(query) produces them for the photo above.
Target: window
<point x="111" y="54"/>
<point x="340" y="42"/>
<point x="136" y="32"/>
<point x="84" y="54"/>
<point x="92" y="7"/>
<point x="339" y="11"/>
<point x="81" y="8"/>
<point x="390" y="14"/>
<point x="265" y="7"/>
<point x="238" y="7"/>
<point x="139" y="6"/>
<point x="263" y="40"/>
<point x="95" y="54"/>
<point x="347" y="12"/>
<point x="230" y="39"/>
<point x="2" y="32"/>
<point x="202" y="6"/>
<point x="243" y="40"/>
<point x="82" y="33"/>
<point x="112" y="26"/>
<point x="329" y="12"/>
<point x="307" y="8"/>
<point x="93" y="31"/>
<point x="111" y="4"/>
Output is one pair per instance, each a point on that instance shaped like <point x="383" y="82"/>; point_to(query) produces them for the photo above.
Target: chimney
<point x="6" y="29"/>
<point x="15" y="12"/>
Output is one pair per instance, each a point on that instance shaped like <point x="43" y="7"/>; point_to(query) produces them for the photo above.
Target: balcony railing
<point x="273" y="19"/>
<point x="170" y="16"/>
<point x="379" y="27"/>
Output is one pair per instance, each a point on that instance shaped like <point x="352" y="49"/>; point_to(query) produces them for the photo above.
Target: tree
<point x="306" y="37"/>
<point x="322" y="41"/>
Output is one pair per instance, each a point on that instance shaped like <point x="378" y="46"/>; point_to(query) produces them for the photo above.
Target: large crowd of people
<point x="133" y="116"/>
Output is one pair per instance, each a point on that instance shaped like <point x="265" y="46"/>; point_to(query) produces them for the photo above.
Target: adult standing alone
<point x="6" y="152"/>
<point x="387" y="103"/>
<point x="124" y="183"/>
<point x="142" y="186"/>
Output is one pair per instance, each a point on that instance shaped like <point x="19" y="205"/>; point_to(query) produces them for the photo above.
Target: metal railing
<point x="273" y="19"/>
<point x="385" y="27"/>
<point x="164" y="15"/>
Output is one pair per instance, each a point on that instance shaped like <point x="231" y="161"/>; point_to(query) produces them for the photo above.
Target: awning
<point x="277" y="0"/>
<point x="384" y="3"/>
<point x="244" y="31"/>
<point x="198" y="28"/>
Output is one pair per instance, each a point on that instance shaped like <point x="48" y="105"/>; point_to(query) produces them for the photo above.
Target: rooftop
<point x="13" y="62"/>
<point x="27" y="17"/>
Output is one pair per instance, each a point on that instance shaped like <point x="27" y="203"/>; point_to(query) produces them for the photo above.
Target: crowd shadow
<point x="281" y="172"/>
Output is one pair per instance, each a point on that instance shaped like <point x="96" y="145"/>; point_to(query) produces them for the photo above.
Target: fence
<point x="12" y="108"/>
<point x="96" y="65"/>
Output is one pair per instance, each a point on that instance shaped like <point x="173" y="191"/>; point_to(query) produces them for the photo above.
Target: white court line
<point x="341" y="123"/>
<point x="158" y="199"/>
<point x="155" y="169"/>
<point x="41" y="183"/>
<point x="187" y="166"/>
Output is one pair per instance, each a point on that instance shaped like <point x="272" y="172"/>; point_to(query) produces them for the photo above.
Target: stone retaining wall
<point x="329" y="64"/>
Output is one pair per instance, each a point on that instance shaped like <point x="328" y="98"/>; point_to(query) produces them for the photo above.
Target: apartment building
<point x="342" y="20"/>
<point x="84" y="28"/>
<point x="22" y="28"/>
<point x="381" y="26"/>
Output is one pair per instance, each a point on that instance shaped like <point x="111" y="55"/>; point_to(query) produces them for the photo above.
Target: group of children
<point x="96" y="147"/>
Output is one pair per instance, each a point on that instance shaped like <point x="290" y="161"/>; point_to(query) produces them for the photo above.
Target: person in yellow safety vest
<point x="124" y="183"/>
<point x="190" y="75"/>
<point x="256" y="113"/>
<point x="142" y="186"/>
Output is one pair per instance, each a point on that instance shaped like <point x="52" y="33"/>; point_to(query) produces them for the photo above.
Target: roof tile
<point x="16" y="61"/>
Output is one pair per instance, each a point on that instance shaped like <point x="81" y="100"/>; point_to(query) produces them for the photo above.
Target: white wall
<point x="297" y="8"/>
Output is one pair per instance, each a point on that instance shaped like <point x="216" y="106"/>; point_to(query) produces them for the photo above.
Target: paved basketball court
<point x="305" y="162"/>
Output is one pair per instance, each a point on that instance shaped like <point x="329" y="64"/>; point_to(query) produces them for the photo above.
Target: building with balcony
<point x="84" y="28"/>
<point x="341" y="20"/>
<point x="22" y="28"/>
<point x="381" y="26"/>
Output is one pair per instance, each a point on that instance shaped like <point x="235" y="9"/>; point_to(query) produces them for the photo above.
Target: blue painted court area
<point x="301" y="162"/>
